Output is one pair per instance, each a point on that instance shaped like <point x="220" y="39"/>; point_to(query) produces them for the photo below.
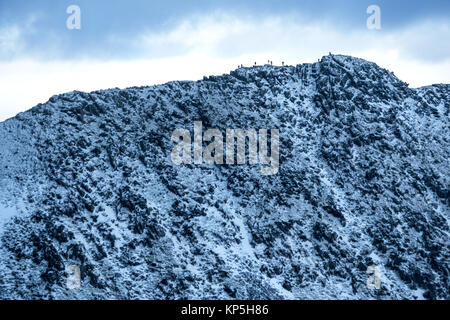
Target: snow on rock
<point x="363" y="180"/>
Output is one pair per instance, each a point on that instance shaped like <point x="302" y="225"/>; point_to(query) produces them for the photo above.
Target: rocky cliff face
<point x="86" y="179"/>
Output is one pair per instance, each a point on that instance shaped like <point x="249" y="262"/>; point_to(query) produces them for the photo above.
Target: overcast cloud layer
<point x="156" y="43"/>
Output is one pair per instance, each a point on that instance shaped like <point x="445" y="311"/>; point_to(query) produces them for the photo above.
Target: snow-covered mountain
<point x="87" y="179"/>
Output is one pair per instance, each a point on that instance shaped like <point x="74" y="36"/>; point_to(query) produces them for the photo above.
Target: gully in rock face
<point x="213" y="152"/>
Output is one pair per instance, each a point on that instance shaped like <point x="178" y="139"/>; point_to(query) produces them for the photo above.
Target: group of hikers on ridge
<point x="268" y="62"/>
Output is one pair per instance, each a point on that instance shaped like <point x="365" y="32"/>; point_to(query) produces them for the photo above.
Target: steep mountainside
<point x="87" y="179"/>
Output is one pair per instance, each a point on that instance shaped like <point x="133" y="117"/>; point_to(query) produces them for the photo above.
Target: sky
<point x="123" y="43"/>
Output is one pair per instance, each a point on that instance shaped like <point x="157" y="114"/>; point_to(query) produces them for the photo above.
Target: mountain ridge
<point x="363" y="181"/>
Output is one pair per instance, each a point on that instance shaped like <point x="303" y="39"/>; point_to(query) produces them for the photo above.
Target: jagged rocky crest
<point x="86" y="179"/>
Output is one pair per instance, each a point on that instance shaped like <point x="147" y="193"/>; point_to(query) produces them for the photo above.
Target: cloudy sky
<point x="125" y="43"/>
